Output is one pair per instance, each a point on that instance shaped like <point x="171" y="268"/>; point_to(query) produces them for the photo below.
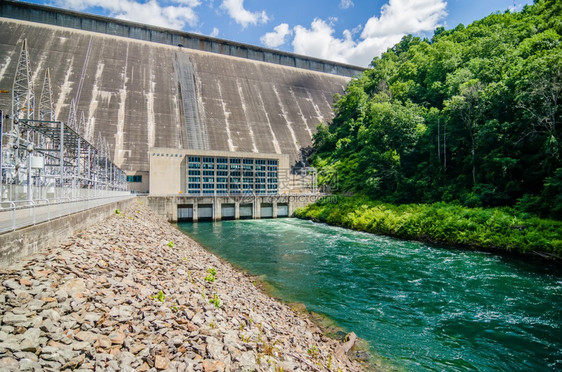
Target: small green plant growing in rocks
<point x="117" y="211"/>
<point x="171" y="244"/>
<point x="212" y="275"/>
<point x="160" y="296"/>
<point x="330" y="361"/>
<point x="215" y="301"/>
<point x="245" y="338"/>
<point x="269" y="349"/>
<point x="242" y="325"/>
<point x="213" y="325"/>
<point x="313" y="351"/>
<point x="174" y="308"/>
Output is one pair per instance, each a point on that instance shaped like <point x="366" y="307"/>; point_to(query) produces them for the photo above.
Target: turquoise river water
<point x="420" y="307"/>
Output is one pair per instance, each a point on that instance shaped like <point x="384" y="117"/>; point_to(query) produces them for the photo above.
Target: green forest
<point x="469" y="117"/>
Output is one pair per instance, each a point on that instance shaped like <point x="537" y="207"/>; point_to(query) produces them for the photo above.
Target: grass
<point x="480" y="228"/>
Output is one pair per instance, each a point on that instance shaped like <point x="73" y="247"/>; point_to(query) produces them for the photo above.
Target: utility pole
<point x="1" y="135"/>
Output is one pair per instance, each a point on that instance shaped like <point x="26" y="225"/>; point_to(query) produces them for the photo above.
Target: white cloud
<point x="150" y="12"/>
<point x="405" y="16"/>
<point x="277" y="37"/>
<point x="397" y="18"/>
<point x="345" y="4"/>
<point x="215" y="32"/>
<point x="189" y="3"/>
<point x="236" y="11"/>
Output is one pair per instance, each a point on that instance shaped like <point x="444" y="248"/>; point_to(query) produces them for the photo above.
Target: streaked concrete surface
<point x="141" y="94"/>
<point x="116" y="27"/>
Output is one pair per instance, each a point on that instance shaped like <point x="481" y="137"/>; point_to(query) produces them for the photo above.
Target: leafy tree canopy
<point x="471" y="115"/>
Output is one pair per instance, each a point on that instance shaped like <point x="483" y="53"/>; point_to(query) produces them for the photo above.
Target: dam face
<point x="142" y="94"/>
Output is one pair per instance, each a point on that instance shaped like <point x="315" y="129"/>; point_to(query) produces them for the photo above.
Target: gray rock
<point x="9" y="364"/>
<point x="83" y="345"/>
<point x="198" y="319"/>
<point x="27" y="364"/>
<point x="35" y="304"/>
<point x="126" y="359"/>
<point x="122" y="312"/>
<point x="51" y="364"/>
<point x="11" y="283"/>
<point x="14" y="319"/>
<point x="248" y="361"/>
<point x="214" y="348"/>
<point x="29" y="345"/>
<point x="12" y="344"/>
<point x="28" y="355"/>
<point x="32" y="334"/>
<point x="92" y="317"/>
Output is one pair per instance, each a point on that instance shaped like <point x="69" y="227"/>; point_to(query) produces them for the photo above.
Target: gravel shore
<point x="133" y="293"/>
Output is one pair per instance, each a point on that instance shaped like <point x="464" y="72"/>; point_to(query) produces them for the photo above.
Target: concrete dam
<point x="145" y="87"/>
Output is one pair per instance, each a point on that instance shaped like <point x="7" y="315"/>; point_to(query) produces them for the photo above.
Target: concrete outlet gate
<point x="216" y="208"/>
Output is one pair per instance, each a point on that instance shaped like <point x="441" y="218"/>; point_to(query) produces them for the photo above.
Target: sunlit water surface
<point x="420" y="307"/>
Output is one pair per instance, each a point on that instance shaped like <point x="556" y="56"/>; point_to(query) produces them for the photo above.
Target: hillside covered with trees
<point x="470" y="116"/>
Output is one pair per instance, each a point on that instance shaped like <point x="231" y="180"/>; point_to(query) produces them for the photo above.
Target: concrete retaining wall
<point x="21" y="243"/>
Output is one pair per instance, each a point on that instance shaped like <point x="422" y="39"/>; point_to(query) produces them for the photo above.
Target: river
<point x="420" y="307"/>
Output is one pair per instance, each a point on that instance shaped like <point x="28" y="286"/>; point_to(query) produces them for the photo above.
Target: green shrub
<point x="492" y="228"/>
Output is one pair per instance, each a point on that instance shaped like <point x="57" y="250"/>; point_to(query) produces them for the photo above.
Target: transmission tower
<point x="23" y="99"/>
<point x="46" y="111"/>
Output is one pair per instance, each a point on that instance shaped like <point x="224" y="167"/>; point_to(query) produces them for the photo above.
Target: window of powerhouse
<point x="134" y="178"/>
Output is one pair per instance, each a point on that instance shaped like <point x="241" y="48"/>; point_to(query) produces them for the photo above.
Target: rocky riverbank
<point x="133" y="293"/>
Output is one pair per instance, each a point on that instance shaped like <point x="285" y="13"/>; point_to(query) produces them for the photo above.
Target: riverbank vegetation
<point x="470" y="116"/>
<point x="490" y="228"/>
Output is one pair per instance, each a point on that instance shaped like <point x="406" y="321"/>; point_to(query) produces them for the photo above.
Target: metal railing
<point x="22" y="213"/>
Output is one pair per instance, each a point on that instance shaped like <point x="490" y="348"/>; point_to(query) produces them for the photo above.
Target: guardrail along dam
<point x="146" y="87"/>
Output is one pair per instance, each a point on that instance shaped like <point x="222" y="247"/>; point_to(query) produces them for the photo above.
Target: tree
<point x="466" y="107"/>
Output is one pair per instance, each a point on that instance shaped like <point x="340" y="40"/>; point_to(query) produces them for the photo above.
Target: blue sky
<point x="348" y="31"/>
